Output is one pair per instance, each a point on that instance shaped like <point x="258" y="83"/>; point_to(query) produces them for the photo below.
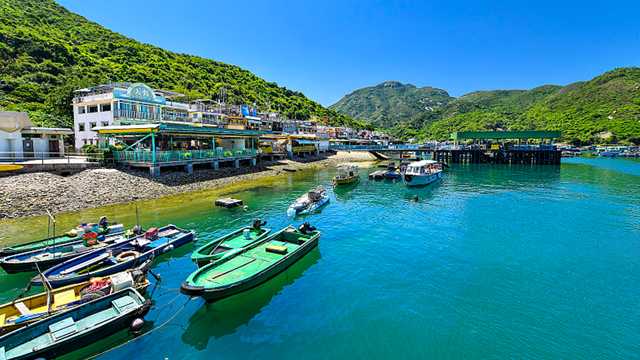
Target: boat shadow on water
<point x="424" y="192"/>
<point x="225" y="316"/>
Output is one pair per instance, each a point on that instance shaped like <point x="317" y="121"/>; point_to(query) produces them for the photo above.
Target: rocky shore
<point x="32" y="194"/>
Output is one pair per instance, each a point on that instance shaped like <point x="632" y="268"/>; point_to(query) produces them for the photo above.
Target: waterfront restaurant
<point x="155" y="132"/>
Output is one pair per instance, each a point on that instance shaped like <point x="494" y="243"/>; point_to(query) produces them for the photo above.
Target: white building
<point x="122" y="104"/>
<point x="19" y="137"/>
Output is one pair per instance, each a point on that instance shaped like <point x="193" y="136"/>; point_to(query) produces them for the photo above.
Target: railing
<point x="147" y="157"/>
<point x="38" y="160"/>
<point x="376" y="147"/>
<point x="303" y="148"/>
<point x="147" y="116"/>
<point x="136" y="115"/>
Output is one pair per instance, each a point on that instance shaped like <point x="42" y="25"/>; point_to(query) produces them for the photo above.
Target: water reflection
<point x="224" y="317"/>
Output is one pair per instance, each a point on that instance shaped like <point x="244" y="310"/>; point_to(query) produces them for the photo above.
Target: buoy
<point x="136" y="325"/>
<point x="246" y="208"/>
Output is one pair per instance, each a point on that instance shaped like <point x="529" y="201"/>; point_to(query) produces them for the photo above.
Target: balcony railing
<point x="136" y="115"/>
<point x="163" y="157"/>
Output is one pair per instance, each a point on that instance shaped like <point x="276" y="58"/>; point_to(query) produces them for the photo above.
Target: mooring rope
<point x="149" y="332"/>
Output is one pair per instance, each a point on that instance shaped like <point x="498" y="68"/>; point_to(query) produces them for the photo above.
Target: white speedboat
<point x="422" y="173"/>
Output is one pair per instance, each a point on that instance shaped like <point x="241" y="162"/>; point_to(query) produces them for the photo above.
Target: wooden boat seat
<point x="63" y="298"/>
<point x="22" y="308"/>
<point x="85" y="264"/>
<point x="63" y="328"/>
<point x="3" y="354"/>
<point x="123" y="304"/>
<point x="2" y="319"/>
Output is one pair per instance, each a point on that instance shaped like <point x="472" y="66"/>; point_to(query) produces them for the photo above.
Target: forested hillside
<point x="391" y="103"/>
<point x="46" y="52"/>
<point x="603" y="110"/>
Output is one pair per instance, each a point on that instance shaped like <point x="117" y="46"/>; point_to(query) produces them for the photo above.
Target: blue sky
<point x="328" y="48"/>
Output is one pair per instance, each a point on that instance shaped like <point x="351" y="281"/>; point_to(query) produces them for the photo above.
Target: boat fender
<point x="136" y="325"/>
<point x="257" y="224"/>
<point x="191" y="290"/>
<point x="103" y="221"/>
<point x="122" y="257"/>
<point x="167" y="249"/>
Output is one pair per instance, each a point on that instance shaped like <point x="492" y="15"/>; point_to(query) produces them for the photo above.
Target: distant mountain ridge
<point x="390" y="103"/>
<point x="604" y="110"/>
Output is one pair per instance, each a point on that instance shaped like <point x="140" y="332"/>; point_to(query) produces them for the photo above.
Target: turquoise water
<point x="495" y="262"/>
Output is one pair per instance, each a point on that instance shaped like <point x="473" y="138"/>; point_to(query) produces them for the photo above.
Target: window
<point x="93" y="108"/>
<point x="92" y="125"/>
<point x="105" y="107"/>
<point x="80" y="127"/>
<point x="82" y="109"/>
<point x="104" y="124"/>
<point x="85" y="141"/>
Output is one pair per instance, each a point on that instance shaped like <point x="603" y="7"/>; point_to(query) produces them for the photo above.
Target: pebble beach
<point x="32" y="194"/>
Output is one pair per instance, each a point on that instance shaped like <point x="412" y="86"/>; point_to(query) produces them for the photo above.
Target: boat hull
<point x="346" y="181"/>
<point x="421" y="180"/>
<point x="41" y="244"/>
<point x="56" y="280"/>
<point x="312" y="208"/>
<point x="82" y="336"/>
<point x="24" y="262"/>
<point x="262" y="277"/>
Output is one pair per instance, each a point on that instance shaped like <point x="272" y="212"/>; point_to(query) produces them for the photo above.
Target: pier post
<point x="236" y="163"/>
<point x="253" y="161"/>
<point x="188" y="168"/>
<point x="154" y="171"/>
<point x="215" y="165"/>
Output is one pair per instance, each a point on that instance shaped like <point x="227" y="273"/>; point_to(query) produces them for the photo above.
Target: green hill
<point x="390" y="103"/>
<point x="605" y="109"/>
<point x="46" y="52"/>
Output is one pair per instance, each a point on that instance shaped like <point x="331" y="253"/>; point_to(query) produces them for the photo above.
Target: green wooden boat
<point x="74" y="329"/>
<point x="103" y="228"/>
<point x="245" y="268"/>
<point x="221" y="246"/>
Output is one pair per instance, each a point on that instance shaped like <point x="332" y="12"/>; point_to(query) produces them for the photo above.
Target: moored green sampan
<point x="67" y="331"/>
<point x="242" y="270"/>
<point x="102" y="227"/>
<point x="234" y="240"/>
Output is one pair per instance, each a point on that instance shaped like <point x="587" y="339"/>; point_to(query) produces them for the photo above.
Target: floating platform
<point x="228" y="203"/>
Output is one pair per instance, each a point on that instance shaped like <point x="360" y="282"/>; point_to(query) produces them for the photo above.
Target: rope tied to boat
<point x="147" y="333"/>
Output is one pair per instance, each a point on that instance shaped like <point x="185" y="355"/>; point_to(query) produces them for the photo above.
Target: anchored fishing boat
<point x="48" y="257"/>
<point x="26" y="311"/>
<point x="309" y="202"/>
<point x="67" y="331"/>
<point x="117" y="257"/>
<point x="346" y="174"/>
<point x="253" y="265"/>
<point x="234" y="240"/>
<point x="422" y="173"/>
<point x="102" y="227"/>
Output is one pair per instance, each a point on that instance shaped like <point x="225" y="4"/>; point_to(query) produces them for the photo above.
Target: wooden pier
<point x="513" y="156"/>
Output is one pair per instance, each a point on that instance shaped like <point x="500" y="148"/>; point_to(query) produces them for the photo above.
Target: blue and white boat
<point x="50" y="256"/>
<point x="422" y="173"/>
<point x="115" y="258"/>
<point x="309" y="202"/>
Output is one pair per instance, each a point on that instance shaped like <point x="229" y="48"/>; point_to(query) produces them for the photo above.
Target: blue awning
<point x="306" y="141"/>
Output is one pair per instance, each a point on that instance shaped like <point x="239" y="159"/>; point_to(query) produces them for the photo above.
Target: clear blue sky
<point x="328" y="48"/>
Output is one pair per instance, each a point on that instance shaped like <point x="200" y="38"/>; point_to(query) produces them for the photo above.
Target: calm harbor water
<point x="495" y="262"/>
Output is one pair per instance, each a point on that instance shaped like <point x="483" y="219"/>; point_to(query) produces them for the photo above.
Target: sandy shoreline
<point x="32" y="194"/>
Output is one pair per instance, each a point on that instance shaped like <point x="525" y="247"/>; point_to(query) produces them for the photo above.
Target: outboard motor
<point x="257" y="224"/>
<point x="103" y="221"/>
<point x="137" y="230"/>
<point x="306" y="227"/>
